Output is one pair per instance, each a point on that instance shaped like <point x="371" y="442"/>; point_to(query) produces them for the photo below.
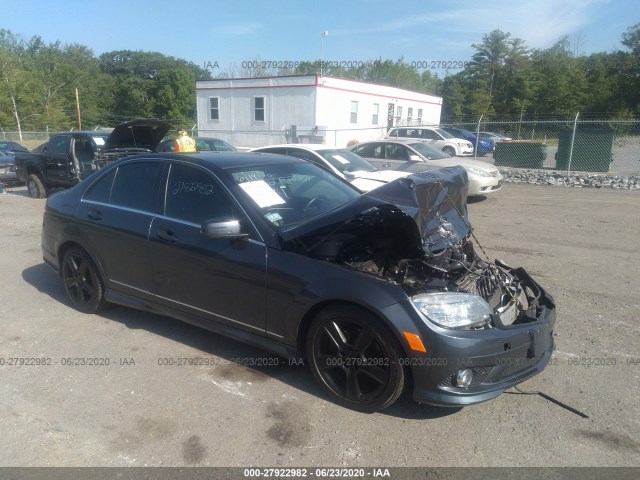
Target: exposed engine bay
<point x="424" y="248"/>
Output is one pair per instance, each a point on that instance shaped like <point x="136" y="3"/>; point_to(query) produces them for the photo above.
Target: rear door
<point x="114" y="216"/>
<point x="56" y="159"/>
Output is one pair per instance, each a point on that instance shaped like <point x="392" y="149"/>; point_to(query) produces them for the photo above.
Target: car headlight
<point x="453" y="310"/>
<point x="478" y="172"/>
<point x="463" y="145"/>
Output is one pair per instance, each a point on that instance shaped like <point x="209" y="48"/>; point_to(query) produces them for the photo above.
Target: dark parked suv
<point x="376" y="292"/>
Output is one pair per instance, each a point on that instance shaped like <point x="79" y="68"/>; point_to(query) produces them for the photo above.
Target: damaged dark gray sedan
<point x="379" y="292"/>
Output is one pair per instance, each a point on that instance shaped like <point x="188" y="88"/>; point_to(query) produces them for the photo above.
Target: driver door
<point x="221" y="279"/>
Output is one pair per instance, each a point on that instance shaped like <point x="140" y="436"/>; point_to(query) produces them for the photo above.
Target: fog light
<point x="464" y="377"/>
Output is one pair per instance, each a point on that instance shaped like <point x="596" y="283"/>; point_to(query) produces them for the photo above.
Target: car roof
<point x="395" y="140"/>
<point x="221" y="160"/>
<point x="314" y="147"/>
<point x="417" y="127"/>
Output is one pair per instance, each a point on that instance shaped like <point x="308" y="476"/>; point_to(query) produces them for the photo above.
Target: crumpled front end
<point x="484" y="326"/>
<point x="462" y="367"/>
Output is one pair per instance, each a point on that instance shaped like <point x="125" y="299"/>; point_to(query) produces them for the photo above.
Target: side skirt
<point x="275" y="347"/>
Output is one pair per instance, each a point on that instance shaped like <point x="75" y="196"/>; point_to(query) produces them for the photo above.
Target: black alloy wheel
<point x="355" y="359"/>
<point x="82" y="281"/>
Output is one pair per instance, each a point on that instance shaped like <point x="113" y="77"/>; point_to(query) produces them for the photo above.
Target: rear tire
<point x="35" y="187"/>
<point x="355" y="359"/>
<point x="449" y="151"/>
<point x="82" y="281"/>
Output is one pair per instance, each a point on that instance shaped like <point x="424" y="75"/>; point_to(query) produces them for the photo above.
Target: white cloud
<point x="236" y="29"/>
<point x="540" y="23"/>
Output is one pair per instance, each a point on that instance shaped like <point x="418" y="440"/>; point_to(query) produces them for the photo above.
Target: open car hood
<point x="140" y="134"/>
<point x="428" y="210"/>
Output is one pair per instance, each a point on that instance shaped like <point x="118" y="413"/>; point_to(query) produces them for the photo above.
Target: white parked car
<point x="437" y="137"/>
<point x="340" y="161"/>
<point x="413" y="156"/>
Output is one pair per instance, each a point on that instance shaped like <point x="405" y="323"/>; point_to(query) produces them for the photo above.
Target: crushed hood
<point x="137" y="134"/>
<point x="430" y="209"/>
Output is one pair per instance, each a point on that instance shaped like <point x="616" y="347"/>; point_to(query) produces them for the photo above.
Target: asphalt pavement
<point x="130" y="388"/>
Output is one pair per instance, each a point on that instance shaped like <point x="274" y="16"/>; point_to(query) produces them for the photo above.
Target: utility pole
<point x="322" y="35"/>
<point x="78" y="110"/>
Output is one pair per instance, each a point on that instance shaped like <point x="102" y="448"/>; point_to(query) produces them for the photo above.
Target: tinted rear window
<point x="134" y="185"/>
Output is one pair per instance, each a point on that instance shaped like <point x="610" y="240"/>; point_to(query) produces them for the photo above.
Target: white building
<point x="252" y="112"/>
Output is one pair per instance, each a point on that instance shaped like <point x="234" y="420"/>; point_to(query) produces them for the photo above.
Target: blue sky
<point x="230" y="32"/>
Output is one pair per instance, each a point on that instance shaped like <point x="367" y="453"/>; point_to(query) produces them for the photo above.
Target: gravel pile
<point x="575" y="179"/>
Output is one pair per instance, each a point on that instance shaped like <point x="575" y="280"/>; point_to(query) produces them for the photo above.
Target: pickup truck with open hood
<point x="68" y="157"/>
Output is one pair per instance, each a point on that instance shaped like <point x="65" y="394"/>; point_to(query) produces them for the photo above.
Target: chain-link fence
<point x="585" y="145"/>
<point x="570" y="145"/>
<point x="27" y="139"/>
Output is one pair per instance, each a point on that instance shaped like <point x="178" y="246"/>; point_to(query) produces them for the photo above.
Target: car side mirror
<point x="222" y="229"/>
<point x="415" y="158"/>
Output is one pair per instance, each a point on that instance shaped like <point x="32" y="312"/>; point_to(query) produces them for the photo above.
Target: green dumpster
<point x="520" y="154"/>
<point x="592" y="150"/>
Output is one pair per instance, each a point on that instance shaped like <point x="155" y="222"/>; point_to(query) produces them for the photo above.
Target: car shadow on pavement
<point x="237" y="361"/>
<point x="476" y="199"/>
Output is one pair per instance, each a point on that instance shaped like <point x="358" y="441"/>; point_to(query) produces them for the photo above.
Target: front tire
<point x="355" y="359"/>
<point x="449" y="151"/>
<point x="82" y="281"/>
<point x="35" y="187"/>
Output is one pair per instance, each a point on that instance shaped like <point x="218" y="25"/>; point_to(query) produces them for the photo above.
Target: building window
<point x="354" y="111"/>
<point x="409" y="115"/>
<point x="419" y="116"/>
<point x="214" y="108"/>
<point x="376" y="111"/>
<point x="258" y="109"/>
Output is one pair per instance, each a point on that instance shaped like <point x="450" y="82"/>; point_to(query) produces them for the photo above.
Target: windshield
<point x="444" y="133"/>
<point x="346" y="162"/>
<point x="292" y="193"/>
<point x="428" y="152"/>
<point x="466" y="132"/>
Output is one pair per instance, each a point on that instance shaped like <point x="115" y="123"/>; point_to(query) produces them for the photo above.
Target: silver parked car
<point x="414" y="156"/>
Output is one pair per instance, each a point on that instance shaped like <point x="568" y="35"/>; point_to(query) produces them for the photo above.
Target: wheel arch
<point x="64" y="247"/>
<point x="308" y="317"/>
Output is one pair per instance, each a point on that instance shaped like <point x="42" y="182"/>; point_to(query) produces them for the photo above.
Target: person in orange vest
<point x="184" y="143"/>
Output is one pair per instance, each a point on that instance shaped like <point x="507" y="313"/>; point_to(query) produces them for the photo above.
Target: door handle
<point x="94" y="214"/>
<point x="166" y="236"/>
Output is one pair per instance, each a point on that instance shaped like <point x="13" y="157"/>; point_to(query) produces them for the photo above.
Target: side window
<point x="101" y="189"/>
<point x="396" y="152"/>
<point x="221" y="146"/>
<point x="202" y="146"/>
<point x="133" y="185"/>
<point x="193" y="195"/>
<point x="354" y="112"/>
<point x="59" y="144"/>
<point x="214" y="108"/>
<point x="258" y="109"/>
<point x="430" y="135"/>
<point x="372" y="150"/>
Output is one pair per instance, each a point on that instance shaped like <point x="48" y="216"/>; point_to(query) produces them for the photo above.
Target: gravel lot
<point x="580" y="244"/>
